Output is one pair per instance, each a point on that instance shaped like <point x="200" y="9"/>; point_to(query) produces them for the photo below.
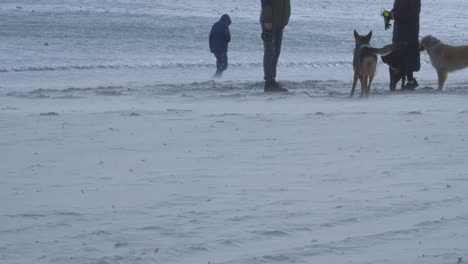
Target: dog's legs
<point x="393" y="82"/>
<point x="361" y="80"/>
<point x="353" y="90"/>
<point x="366" y="86"/>
<point x="442" y="78"/>
<point x="395" y="77"/>
<point x="363" y="85"/>
<point x="371" y="78"/>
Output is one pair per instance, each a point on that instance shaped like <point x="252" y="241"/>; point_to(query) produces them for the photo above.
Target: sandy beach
<point x="242" y="179"/>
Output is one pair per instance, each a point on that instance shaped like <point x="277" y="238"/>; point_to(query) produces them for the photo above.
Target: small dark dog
<point x="397" y="71"/>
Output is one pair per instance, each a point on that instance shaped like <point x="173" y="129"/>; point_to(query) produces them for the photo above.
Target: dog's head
<point x="362" y="40"/>
<point x="427" y="42"/>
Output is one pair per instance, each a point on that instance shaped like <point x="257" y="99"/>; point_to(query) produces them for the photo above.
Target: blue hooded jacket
<point x="220" y="35"/>
<point x="265" y="3"/>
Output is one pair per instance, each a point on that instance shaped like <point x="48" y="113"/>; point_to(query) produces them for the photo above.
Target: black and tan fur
<point x="365" y="62"/>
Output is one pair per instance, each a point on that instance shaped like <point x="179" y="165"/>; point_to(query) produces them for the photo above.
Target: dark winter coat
<point x="276" y="12"/>
<point x="406" y="32"/>
<point x="220" y="35"/>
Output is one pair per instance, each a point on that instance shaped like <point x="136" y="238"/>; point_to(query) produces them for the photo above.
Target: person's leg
<point x="224" y="59"/>
<point x="278" y="40"/>
<point x="416" y="62"/>
<point x="411" y="83"/>
<point x="410" y="59"/>
<point x="268" y="57"/>
<point x="218" y="65"/>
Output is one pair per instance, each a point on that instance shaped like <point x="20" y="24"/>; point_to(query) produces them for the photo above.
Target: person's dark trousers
<point x="221" y="63"/>
<point x="272" y="48"/>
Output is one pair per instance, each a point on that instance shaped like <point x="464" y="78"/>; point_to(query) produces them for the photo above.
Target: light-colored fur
<point x="365" y="62"/>
<point x="444" y="58"/>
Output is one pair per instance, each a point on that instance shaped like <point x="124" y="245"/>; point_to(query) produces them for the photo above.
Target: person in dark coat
<point x="273" y="19"/>
<point x="220" y="36"/>
<point x="406" y="60"/>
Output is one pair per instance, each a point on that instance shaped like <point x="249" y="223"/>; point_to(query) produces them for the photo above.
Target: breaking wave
<point x="164" y="66"/>
<point x="227" y="89"/>
<point x="176" y="65"/>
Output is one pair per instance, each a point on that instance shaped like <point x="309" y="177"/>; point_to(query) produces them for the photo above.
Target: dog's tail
<point x="384" y="51"/>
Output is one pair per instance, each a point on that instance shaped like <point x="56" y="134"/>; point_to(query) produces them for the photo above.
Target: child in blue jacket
<point x="220" y="37"/>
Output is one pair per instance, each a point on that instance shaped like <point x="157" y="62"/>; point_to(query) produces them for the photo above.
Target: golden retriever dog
<point x="444" y="58"/>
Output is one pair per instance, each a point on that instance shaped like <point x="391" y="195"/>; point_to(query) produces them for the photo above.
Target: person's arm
<point x="211" y="40"/>
<point x="416" y="6"/>
<point x="267" y="14"/>
<point x="390" y="16"/>
<point x="227" y="34"/>
<point x="395" y="9"/>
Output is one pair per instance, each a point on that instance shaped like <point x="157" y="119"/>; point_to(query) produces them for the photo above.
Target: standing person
<point x="406" y="13"/>
<point x="220" y="36"/>
<point x="274" y="18"/>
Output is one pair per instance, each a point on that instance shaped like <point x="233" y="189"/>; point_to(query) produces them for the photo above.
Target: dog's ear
<point x="422" y="43"/>
<point x="369" y="36"/>
<point x="356" y="35"/>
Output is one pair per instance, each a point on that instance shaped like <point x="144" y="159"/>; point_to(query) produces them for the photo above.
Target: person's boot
<point x="218" y="75"/>
<point x="411" y="85"/>
<point x="274" y="87"/>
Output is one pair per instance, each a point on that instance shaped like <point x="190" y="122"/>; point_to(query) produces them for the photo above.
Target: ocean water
<point x="62" y="44"/>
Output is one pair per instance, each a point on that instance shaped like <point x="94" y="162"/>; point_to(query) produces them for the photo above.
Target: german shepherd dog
<point x="444" y="58"/>
<point x="365" y="62"/>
